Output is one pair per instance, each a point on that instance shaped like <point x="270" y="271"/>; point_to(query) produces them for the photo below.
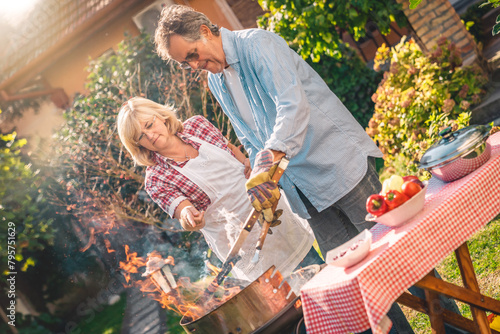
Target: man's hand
<point x="262" y="192"/>
<point x="276" y="220"/>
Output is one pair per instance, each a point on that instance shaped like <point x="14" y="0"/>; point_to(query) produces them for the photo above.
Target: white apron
<point x="221" y="177"/>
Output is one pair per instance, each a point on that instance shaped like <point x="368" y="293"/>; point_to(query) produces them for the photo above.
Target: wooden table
<point x="343" y="300"/>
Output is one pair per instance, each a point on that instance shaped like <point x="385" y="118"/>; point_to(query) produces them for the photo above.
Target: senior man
<point x="278" y="105"/>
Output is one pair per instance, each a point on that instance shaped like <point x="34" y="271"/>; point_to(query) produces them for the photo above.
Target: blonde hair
<point x="128" y="122"/>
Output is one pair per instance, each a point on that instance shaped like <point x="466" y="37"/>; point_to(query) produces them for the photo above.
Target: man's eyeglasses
<point x="193" y="56"/>
<point x="147" y="127"/>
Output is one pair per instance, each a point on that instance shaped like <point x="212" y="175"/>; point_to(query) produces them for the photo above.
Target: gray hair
<point x="183" y="21"/>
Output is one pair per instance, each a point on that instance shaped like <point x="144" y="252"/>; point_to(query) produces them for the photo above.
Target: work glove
<point x="263" y="192"/>
<point x="275" y="222"/>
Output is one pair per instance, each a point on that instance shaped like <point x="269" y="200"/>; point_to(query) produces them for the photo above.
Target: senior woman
<point x="195" y="175"/>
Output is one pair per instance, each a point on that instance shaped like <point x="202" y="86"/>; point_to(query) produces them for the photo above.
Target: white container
<point x="400" y="215"/>
<point x="351" y="252"/>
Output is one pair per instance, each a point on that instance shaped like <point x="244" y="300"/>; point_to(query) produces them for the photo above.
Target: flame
<point x="298" y="304"/>
<point x="212" y="269"/>
<point x="132" y="264"/>
<point x="184" y="298"/>
<point x="108" y="246"/>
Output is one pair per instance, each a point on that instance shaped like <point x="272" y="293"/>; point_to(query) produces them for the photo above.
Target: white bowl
<point x="351" y="252"/>
<point x="400" y="215"/>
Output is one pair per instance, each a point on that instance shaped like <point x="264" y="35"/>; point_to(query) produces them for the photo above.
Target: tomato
<point x="410" y="177"/>
<point x="394" y="198"/>
<point x="414" y="179"/>
<point x="375" y="204"/>
<point x="420" y="183"/>
<point x="411" y="188"/>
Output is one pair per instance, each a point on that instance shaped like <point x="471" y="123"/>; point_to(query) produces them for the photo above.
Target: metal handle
<point x="446" y="134"/>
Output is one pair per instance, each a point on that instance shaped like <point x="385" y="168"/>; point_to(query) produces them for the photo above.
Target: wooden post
<point x="470" y="282"/>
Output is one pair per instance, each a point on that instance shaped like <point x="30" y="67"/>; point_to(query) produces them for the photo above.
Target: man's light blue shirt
<point x="295" y="113"/>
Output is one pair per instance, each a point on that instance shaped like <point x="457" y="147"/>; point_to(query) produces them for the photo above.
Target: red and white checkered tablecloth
<point x="345" y="300"/>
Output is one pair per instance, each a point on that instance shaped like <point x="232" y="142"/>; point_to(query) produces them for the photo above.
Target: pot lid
<point x="454" y="144"/>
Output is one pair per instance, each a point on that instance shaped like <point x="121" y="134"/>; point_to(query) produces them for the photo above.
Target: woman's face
<point x="154" y="136"/>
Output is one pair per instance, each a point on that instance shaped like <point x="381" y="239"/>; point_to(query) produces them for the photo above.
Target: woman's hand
<point x="241" y="158"/>
<point x="191" y="219"/>
<point x="248" y="168"/>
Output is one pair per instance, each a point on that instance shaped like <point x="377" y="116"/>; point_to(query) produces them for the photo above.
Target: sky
<point x="13" y="11"/>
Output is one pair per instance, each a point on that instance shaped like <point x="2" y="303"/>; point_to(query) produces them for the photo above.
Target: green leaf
<point x="414" y="3"/>
<point x="496" y="29"/>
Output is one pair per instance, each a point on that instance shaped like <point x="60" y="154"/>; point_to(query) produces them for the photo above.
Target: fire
<point x="182" y="295"/>
<point x="213" y="269"/>
<point x="108" y="246"/>
<point x="132" y="264"/>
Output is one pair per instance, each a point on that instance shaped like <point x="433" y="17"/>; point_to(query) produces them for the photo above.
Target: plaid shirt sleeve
<point x="166" y="186"/>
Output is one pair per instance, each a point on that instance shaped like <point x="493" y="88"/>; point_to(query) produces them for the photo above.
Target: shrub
<point x="419" y="95"/>
<point x="23" y="209"/>
<point x="314" y="28"/>
<point x="473" y="20"/>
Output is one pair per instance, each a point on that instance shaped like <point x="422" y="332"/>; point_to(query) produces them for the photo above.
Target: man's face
<point x="204" y="54"/>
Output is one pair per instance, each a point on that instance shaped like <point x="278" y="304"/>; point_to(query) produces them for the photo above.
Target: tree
<point x="314" y="28"/>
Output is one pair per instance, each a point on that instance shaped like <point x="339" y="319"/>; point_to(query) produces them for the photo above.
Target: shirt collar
<point x="158" y="158"/>
<point x="228" y="46"/>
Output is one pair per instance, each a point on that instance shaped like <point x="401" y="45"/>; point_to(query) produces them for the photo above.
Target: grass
<point x="107" y="321"/>
<point x="173" y="323"/>
<point x="484" y="248"/>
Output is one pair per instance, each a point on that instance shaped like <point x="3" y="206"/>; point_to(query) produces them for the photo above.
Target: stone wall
<point x="433" y="19"/>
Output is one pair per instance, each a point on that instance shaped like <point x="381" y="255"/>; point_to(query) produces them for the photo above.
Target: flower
<point x="476" y="98"/>
<point x="464" y="105"/>
<point x="372" y="132"/>
<point x="394" y="68"/>
<point x="441" y="41"/>
<point x="394" y="121"/>
<point x="406" y="103"/>
<point x="438" y="53"/>
<point x="463" y="91"/>
<point x="411" y="93"/>
<point x="448" y="105"/>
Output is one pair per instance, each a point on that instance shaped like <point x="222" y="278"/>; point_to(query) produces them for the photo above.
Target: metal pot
<point x="265" y="306"/>
<point x="457" y="153"/>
